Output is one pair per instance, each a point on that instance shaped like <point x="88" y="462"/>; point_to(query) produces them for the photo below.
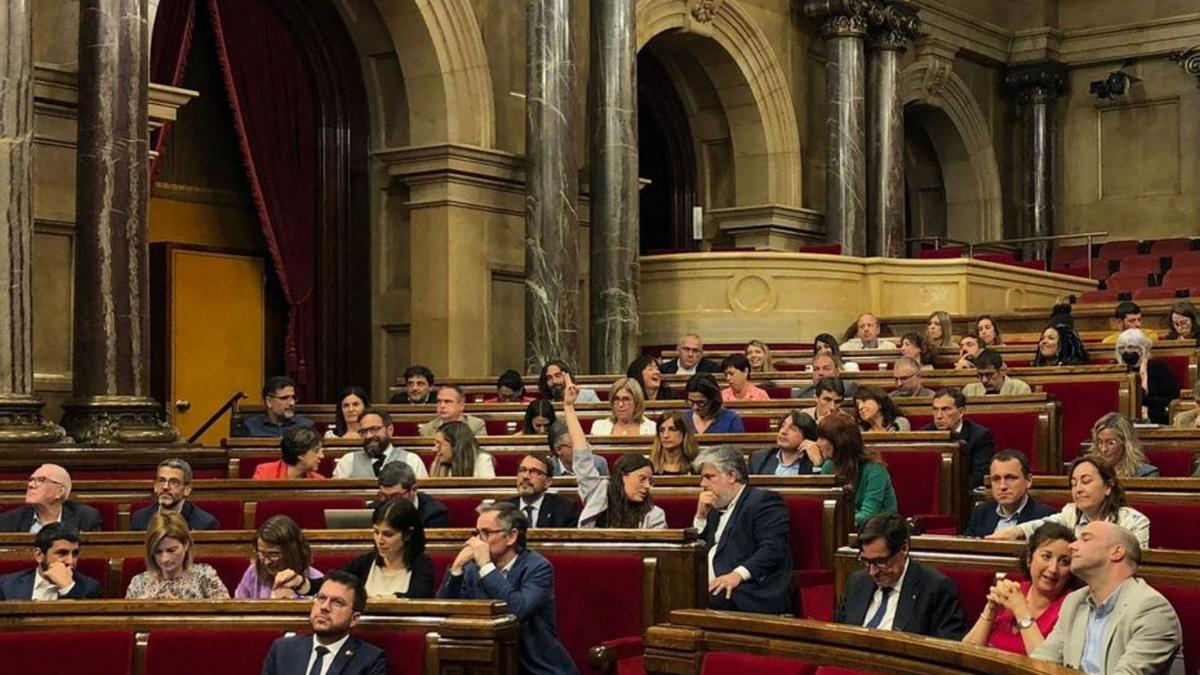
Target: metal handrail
<point x="1048" y="237"/>
<point x="233" y="400"/>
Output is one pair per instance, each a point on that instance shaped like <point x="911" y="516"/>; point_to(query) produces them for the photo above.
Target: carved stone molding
<point x="1037" y="82"/>
<point x="21" y="421"/>
<point x="703" y="11"/>
<point x="844" y="18"/>
<point x="898" y="25"/>
<point x="117" y="420"/>
<point x="1189" y="60"/>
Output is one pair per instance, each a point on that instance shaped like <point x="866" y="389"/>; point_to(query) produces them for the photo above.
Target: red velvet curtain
<point x="171" y="41"/>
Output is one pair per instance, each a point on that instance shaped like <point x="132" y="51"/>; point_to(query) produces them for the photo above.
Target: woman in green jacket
<point x="855" y="466"/>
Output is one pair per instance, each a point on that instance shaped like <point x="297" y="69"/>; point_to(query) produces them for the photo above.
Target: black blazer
<point x="928" y="603"/>
<point x="766" y="461"/>
<point x="705" y="366"/>
<point x="1163" y="388"/>
<point x="981" y="445"/>
<point x="984" y="518"/>
<point x="432" y="512"/>
<point x="757" y="539"/>
<point x="196" y="517"/>
<point x="83" y="517"/>
<point x="19" y="586"/>
<point x="556" y="511"/>
<point x="402" y="397"/>
<point x="419" y="586"/>
<point x="289" y="655"/>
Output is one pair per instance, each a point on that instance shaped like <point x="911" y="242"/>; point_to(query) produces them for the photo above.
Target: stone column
<point x="20" y="412"/>
<point x="1036" y="87"/>
<point x="885" y="133"/>
<point x="844" y="27"/>
<point x="551" y="187"/>
<point x="613" y="171"/>
<point x="111" y="360"/>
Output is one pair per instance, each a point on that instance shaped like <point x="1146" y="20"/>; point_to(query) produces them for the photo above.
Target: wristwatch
<point x="1024" y="623"/>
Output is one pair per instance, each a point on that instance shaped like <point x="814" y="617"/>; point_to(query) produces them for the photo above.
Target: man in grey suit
<point x="1117" y="623"/>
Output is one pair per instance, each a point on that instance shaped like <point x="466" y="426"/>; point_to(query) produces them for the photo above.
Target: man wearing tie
<point x="330" y="649"/>
<point x="895" y="592"/>
<point x="542" y="508"/>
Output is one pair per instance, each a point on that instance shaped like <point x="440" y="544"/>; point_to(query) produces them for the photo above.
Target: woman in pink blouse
<point x="737" y="374"/>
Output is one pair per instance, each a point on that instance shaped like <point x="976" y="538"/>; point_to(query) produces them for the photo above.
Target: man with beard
<point x="375" y="427"/>
<point x="279" y="398"/>
<point x="553" y="381"/>
<point x="56" y="552"/>
<point x="542" y="508"/>
<point x="172" y="487"/>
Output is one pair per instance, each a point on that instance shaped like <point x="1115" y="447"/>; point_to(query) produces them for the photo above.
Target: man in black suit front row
<point x="895" y="592"/>
<point x="56" y="552"/>
<point x="542" y="508"/>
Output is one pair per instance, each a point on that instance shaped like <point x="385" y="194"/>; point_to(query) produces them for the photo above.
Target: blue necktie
<point x="883" y="605"/>
<point x="316" y="666"/>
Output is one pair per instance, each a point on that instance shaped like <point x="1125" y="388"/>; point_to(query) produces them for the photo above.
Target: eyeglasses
<point x="173" y="483"/>
<point x="1109" y="442"/>
<point x="623" y="399"/>
<point x="484" y="533"/>
<point x="371" y="430"/>
<point x="268" y="555"/>
<point x="694" y="402"/>
<point x="530" y="471"/>
<point x="901" y="379"/>
<point x="42" y="480"/>
<point x="877" y="563"/>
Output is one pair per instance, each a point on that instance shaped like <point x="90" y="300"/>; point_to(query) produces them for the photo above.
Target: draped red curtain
<point x="172" y="40"/>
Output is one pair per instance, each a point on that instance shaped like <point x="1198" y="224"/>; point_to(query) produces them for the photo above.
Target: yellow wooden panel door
<point x="217" y="335"/>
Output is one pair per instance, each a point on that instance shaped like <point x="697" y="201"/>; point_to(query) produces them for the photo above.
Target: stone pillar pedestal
<point x="1036" y="87"/>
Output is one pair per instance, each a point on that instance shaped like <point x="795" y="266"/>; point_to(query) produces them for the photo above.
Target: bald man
<point x="46" y="502"/>
<point x="1117" y="623"/>
<point x="867" y="327"/>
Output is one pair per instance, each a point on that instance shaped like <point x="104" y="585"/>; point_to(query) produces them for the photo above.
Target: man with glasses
<point x="56" y="576"/>
<point x="451" y="402"/>
<point x="542" y="508"/>
<point x="397" y="480"/>
<point x="993" y="381"/>
<point x="375" y="428"/>
<point x="46" y="501"/>
<point x="690" y="360"/>
<point x="279" y="399"/>
<point x="906" y="373"/>
<point x="496" y="565"/>
<point x="563" y="463"/>
<point x="331" y="648"/>
<point x="895" y="592"/>
<point x="949" y="410"/>
<point x="172" y="487"/>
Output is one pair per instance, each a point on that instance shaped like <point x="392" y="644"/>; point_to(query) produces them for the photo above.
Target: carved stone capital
<point x="1189" y="60"/>
<point x="898" y="25"/>
<point x="844" y="18"/>
<point x="1037" y="82"/>
<point x="21" y="422"/>
<point x="117" y="420"/>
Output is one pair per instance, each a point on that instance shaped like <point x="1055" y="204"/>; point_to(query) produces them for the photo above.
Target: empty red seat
<point x="1082" y="404"/>
<point x="1142" y="263"/>
<point x="1186" y="602"/>
<point x="1181" y="277"/>
<point x="1153" y="293"/>
<point x="1172" y="525"/>
<point x="227" y="512"/>
<point x="757" y="424"/>
<point x="1172" y="463"/>
<point x="405" y="649"/>
<point x="462" y="510"/>
<point x="507" y="462"/>
<point x="1071" y="256"/>
<point x="973" y="586"/>
<point x="1119" y="249"/>
<point x="916" y="477"/>
<point x="597" y="597"/>
<point x="308" y="513"/>
<point x="1186" y="260"/>
<point x="724" y="663"/>
<point x="501" y="427"/>
<point x="76" y="652"/>
<point x="1128" y="281"/>
<point x="1170" y="247"/>
<point x="200" y="652"/>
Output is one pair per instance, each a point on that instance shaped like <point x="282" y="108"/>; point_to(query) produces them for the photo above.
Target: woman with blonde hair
<point x="1113" y="439"/>
<point x="457" y="453"/>
<point x="628" y="416"/>
<point x="940" y="331"/>
<point x="170" y="572"/>
<point x="759" y="355"/>
<point x="674" y="447"/>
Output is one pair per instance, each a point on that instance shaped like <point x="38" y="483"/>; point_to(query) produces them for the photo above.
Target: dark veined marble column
<point x="885" y="133"/>
<point x="844" y="26"/>
<point x="551" y="188"/>
<point x="1036" y="87"/>
<point x="20" y="412"/>
<point x="111" y="358"/>
<point x="613" y="167"/>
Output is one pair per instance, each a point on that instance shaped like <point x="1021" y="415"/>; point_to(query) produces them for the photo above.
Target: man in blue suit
<point x="56" y="551"/>
<point x="1012" y="505"/>
<point x="331" y="649"/>
<point x="746" y="531"/>
<point x="495" y="564"/>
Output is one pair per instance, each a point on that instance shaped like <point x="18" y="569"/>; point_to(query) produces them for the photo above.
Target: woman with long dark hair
<point x="398" y="566"/>
<point x="352" y="401"/>
<point x="706" y="413"/>
<point x="856" y="466"/>
<point x="644" y="370"/>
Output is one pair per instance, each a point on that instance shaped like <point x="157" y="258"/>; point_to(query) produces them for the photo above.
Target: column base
<point x="21" y="421"/>
<point x="117" y="420"/>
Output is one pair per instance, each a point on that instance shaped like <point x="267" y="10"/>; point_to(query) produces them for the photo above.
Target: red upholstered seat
<point x="680" y="509"/>
<point x="597" y="598"/>
<point x="201" y="652"/>
<point x="1181" y="275"/>
<point x="1146" y="264"/>
<point x="1170" y="247"/>
<point x="727" y="663"/>
<point x="1119" y="249"/>
<point x="462" y="510"/>
<point x="1154" y="293"/>
<point x="1012" y="429"/>
<point x="814" y="597"/>
<point x="1172" y="463"/>
<point x="972" y="587"/>
<point x="1128" y="281"/>
<point x="308" y="513"/>
<point x="76" y="652"/>
<point x="1082" y="404"/>
<point x="628" y="653"/>
<point x="108" y="514"/>
<point x="405" y="649"/>
<point x="756" y="424"/>
<point x="500" y="427"/>
<point x="229" y="568"/>
<point x="326" y="562"/>
<point x="1172" y="525"/>
<point x="227" y="512"/>
<point x="916" y="477"/>
<point x="1186" y="602"/>
<point x="507" y="462"/>
<point x="1070" y="256"/>
<point x="1185" y="260"/>
<point x="247" y="464"/>
<point x="402" y="428"/>
<point x="1178" y="365"/>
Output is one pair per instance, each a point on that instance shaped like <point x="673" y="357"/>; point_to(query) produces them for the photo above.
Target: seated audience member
<point x="968" y="350"/>
<point x="539" y="415"/>
<point x="377" y="452"/>
<point x="1117" y="623"/>
<point x="1113" y="439"/>
<point x="825" y="343"/>
<point x="622" y="500"/>
<point x="878" y="412"/>
<point x="988" y="331"/>
<point x="690" y="360"/>
<point x="1189" y="419"/>
<point x="172" y="487"/>
<point x="895" y="592"/>
<point x="553" y="380"/>
<point x="705" y="414"/>
<point x="1019" y="615"/>
<point x="451" y="402"/>
<point x="645" y="370"/>
<point x="457" y="453"/>
<point x="855" y="465"/>
<point x="1060" y="345"/>
<point x="497" y="564"/>
<point x="301" y="452"/>
<point x="1011" y="504"/>
<point x="745" y="530"/>
<point x="55" y="575"/>
<point x="829" y="393"/>
<point x="1096" y="494"/>
<point x="796" y="452"/>
<point x="510" y="388"/>
<point x="418" y="386"/>
<point x="1128" y="316"/>
<point x="914" y="346"/>
<point x="46" y="501"/>
<point x="352" y="401"/>
<point x="170" y="573"/>
<point x="867" y="335"/>
<point x="674" y="446"/>
<point x="824" y="366"/>
<point x="279" y="399"/>
<point x="1157" y="384"/>
<point x="542" y="508"/>
<point x="949" y="410"/>
<point x="335" y="612"/>
<point x="398" y="481"/>
<point x="993" y="378"/>
<point x="628" y="416"/>
<point x="939" y="331"/>
<point x="906" y="373"/>
<point x="560" y="446"/>
<point x="737" y="375"/>
<point x="759" y="355"/>
<point x="398" y="566"/>
<point x="282" y="563"/>
<point x="1184" y="323"/>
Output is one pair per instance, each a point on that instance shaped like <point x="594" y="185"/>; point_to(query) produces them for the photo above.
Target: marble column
<point x="551" y="188"/>
<point x="885" y="132"/>
<point x="1036" y="87"/>
<point x="844" y="27"/>
<point x="20" y="412"/>
<point x="613" y="171"/>
<point x="111" y="357"/>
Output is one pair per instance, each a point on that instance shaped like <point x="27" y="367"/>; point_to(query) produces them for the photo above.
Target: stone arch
<point x="959" y="130"/>
<point x="755" y="95"/>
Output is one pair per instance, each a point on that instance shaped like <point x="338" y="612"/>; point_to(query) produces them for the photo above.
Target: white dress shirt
<point x="44" y="589"/>
<point x="893" y="601"/>
<point x="535" y="505"/>
<point x="701" y="523"/>
<point x="333" y="652"/>
<point x="491" y="567"/>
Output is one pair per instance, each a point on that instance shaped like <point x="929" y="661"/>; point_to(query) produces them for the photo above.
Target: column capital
<point x="1037" y="82"/>
<point x="1189" y="60"/>
<point x="898" y="25"/>
<point x="844" y="18"/>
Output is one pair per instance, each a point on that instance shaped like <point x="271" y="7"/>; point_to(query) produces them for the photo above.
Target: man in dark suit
<point x="1011" y="503"/>
<point x="795" y="452"/>
<point x="397" y="479"/>
<point x="746" y="531"/>
<point x="542" y="508"/>
<point x="691" y="358"/>
<point x="949" y="407"/>
<point x="825" y="368"/>
<point x="279" y="402"/>
<point x="172" y="487"/>
<point x="895" y="592"/>
<point x="495" y="564"/>
<point x="56" y="552"/>
<point x="46" y="502"/>
<point x="418" y="387"/>
<point x="336" y="609"/>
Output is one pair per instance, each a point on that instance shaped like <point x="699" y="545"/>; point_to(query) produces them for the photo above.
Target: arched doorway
<point x="925" y="187"/>
<point x="666" y="159"/>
